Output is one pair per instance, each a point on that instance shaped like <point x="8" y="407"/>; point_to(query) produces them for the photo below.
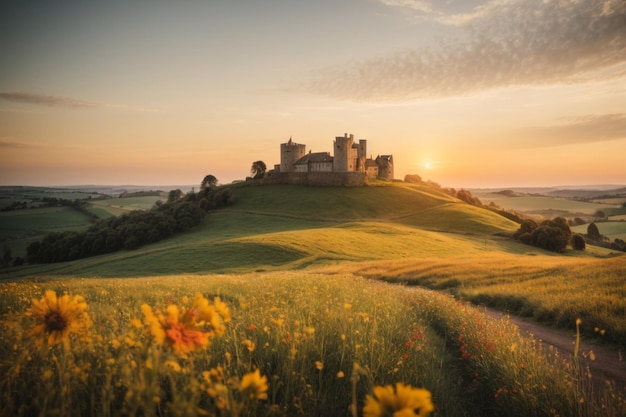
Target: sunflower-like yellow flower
<point x="58" y="317"/>
<point x="399" y="401"/>
<point x="187" y="330"/>
<point x="254" y="386"/>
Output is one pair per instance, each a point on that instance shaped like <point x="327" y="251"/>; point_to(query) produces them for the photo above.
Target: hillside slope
<point x="289" y="227"/>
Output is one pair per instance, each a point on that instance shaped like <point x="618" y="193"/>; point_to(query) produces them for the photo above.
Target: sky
<point x="466" y="93"/>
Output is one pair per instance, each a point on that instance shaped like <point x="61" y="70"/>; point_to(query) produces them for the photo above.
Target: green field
<point x="18" y="228"/>
<point x="543" y="203"/>
<point x="22" y="222"/>
<point x="300" y="269"/>
<point x="117" y="206"/>
<point x="612" y="229"/>
<point x="9" y="194"/>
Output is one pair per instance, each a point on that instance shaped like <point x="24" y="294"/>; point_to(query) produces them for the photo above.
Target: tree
<point x="7" y="256"/>
<point x="258" y="169"/>
<point x="552" y="235"/>
<point x="174" y="195"/>
<point x="208" y="182"/>
<point x="578" y="242"/>
<point x="525" y="230"/>
<point x="412" y="179"/>
<point x="593" y="232"/>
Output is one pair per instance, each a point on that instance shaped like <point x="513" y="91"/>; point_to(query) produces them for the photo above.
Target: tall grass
<point x="553" y="290"/>
<point x="323" y="342"/>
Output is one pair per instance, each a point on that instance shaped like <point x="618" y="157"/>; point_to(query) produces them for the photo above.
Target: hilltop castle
<point x="348" y="166"/>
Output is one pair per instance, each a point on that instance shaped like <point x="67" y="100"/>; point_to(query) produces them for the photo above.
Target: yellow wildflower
<point x="249" y="344"/>
<point x="173" y="365"/>
<point x="58" y="317"/>
<point x="254" y="386"/>
<point x="399" y="401"/>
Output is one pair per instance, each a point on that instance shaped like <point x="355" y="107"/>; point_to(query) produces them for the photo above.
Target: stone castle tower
<point x="349" y="156"/>
<point x="290" y="152"/>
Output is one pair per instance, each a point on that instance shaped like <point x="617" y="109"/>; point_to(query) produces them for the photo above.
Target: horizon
<point x="477" y="94"/>
<point x="168" y="187"/>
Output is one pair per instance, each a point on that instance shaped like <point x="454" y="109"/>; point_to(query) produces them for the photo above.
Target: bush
<point x="593" y="233"/>
<point x="553" y="235"/>
<point x="578" y="242"/>
<point x="525" y="229"/>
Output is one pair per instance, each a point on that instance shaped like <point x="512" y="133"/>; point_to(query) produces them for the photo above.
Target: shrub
<point x="551" y="235"/>
<point x="578" y="242"/>
<point x="526" y="228"/>
<point x="593" y="232"/>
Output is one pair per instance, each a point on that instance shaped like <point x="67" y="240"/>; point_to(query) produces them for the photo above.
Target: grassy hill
<point x="412" y="234"/>
<point x="293" y="227"/>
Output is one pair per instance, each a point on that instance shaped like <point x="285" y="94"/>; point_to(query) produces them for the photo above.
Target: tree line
<point x="131" y="230"/>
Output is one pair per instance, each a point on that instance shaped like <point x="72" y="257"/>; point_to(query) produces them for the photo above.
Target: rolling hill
<point x="285" y="226"/>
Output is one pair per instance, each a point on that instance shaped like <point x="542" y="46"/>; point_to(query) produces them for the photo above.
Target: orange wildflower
<point x="187" y="330"/>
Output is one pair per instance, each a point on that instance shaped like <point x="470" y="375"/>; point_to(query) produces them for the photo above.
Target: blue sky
<point x="487" y="93"/>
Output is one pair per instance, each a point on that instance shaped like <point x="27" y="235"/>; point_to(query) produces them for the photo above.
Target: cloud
<point x="422" y="6"/>
<point x="65" y="102"/>
<point x="591" y="128"/>
<point x="11" y="144"/>
<point x="507" y="43"/>
<point x="46" y="100"/>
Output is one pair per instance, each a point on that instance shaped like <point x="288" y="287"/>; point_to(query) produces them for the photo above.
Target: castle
<point x="348" y="166"/>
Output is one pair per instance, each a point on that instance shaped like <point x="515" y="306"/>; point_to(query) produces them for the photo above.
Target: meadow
<point x="331" y="298"/>
<point x="276" y="344"/>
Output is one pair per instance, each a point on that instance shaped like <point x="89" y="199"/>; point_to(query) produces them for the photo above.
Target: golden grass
<point x="297" y="344"/>
<point x="552" y="289"/>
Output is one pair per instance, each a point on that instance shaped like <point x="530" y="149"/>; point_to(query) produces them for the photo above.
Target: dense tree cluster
<point x="553" y="235"/>
<point x="130" y="230"/>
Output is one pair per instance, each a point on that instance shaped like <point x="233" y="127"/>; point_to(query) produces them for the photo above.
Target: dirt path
<point x="608" y="364"/>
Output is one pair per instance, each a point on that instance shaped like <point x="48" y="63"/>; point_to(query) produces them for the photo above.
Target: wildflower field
<point x="273" y="344"/>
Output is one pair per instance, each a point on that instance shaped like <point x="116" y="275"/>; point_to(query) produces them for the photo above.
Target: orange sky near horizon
<point x="491" y="93"/>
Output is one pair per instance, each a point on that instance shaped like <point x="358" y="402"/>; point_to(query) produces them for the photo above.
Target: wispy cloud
<point x="507" y="43"/>
<point x="422" y="6"/>
<point x="65" y="102"/>
<point x="12" y="144"/>
<point x="46" y="100"/>
<point x="591" y="128"/>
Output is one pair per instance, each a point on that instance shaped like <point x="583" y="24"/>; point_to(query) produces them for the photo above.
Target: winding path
<point x="608" y="365"/>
